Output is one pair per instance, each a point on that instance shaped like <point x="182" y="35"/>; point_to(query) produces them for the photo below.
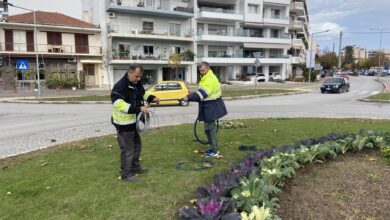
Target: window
<point x="275" y="53"/>
<point x="124" y="50"/>
<point x="54" y="38"/>
<point x="217" y="51"/>
<point x="161" y="87"/>
<point x="253" y="9"/>
<point x="149" y="3"/>
<point x="175" y="50"/>
<point x="20" y="41"/>
<point x="174" y="86"/>
<point x="200" y="29"/>
<point x="274" y="33"/>
<point x="275" y="13"/>
<point x="147" y="27"/>
<point x="174" y="29"/>
<point x="148" y="50"/>
<point x="217" y="30"/>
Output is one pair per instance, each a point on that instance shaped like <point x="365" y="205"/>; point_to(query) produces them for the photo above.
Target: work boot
<point x="140" y="171"/>
<point x="131" y="178"/>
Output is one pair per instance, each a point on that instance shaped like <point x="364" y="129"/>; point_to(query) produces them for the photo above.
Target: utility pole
<point x="340" y="45"/>
<point x="380" y="43"/>
<point x="333" y="47"/>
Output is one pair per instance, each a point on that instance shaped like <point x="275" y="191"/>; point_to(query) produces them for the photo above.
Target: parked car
<point x="343" y="75"/>
<point x="169" y="92"/>
<point x="336" y="84"/>
<point x="260" y="77"/>
<point x="275" y="76"/>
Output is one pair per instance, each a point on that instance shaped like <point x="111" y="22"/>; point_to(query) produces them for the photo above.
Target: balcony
<point x="240" y="59"/>
<point x="154" y="8"/>
<point x="298" y="44"/>
<point x="240" y="36"/>
<point x="126" y="57"/>
<point x="138" y="32"/>
<point x="296" y="24"/>
<point x="206" y="13"/>
<point x="278" y="20"/>
<point x="298" y="7"/>
<point x="277" y="2"/>
<point x="48" y="49"/>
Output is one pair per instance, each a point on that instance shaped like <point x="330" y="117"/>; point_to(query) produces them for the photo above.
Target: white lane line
<point x="375" y="92"/>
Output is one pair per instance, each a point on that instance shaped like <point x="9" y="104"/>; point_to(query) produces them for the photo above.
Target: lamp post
<point x="380" y="42"/>
<point x="311" y="51"/>
<point x="35" y="43"/>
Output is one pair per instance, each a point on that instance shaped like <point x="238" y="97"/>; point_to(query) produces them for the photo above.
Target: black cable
<point x="196" y="132"/>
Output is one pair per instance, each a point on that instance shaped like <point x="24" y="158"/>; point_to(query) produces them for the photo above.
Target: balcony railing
<point x="297" y="6"/>
<point x="136" y="30"/>
<point x="127" y="55"/>
<point x="219" y="10"/>
<point x="276" y="17"/>
<point x="152" y="5"/>
<point x="50" y="49"/>
<point x="240" y="33"/>
<point x="241" y="54"/>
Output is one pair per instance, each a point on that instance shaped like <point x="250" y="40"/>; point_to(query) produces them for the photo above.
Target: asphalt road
<point x="30" y="120"/>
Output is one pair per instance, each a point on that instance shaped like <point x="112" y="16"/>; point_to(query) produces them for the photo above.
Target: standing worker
<point x="211" y="105"/>
<point x="127" y="98"/>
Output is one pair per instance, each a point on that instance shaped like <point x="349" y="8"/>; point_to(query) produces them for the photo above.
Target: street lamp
<point x="380" y="42"/>
<point x="35" y="42"/>
<point x="311" y="50"/>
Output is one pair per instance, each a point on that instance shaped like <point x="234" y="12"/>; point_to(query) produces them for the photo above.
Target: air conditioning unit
<point x="111" y="14"/>
<point x="164" y="56"/>
<point x="72" y="60"/>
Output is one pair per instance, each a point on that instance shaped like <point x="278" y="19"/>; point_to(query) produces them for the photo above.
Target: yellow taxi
<point x="169" y="92"/>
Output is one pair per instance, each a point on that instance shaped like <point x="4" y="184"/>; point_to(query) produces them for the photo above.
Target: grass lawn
<point x="381" y="96"/>
<point x="226" y="93"/>
<point x="80" y="180"/>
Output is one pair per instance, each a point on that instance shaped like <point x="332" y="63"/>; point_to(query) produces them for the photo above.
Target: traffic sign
<point x="257" y="63"/>
<point x="22" y="65"/>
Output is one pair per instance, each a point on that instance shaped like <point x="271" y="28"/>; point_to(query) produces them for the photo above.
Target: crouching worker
<point x="127" y="98"/>
<point x="211" y="105"/>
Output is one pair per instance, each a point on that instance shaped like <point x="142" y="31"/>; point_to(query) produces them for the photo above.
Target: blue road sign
<point x="22" y="65"/>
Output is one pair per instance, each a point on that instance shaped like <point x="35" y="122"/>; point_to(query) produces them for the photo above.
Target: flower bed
<point x="248" y="191"/>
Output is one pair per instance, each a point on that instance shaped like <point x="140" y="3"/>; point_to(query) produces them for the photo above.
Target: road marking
<point x="375" y="92"/>
<point x="364" y="92"/>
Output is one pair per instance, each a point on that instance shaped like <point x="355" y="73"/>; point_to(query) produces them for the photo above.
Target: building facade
<point x="64" y="44"/>
<point x="225" y="33"/>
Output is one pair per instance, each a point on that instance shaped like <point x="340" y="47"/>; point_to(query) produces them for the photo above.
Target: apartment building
<point x="64" y="44"/>
<point x="298" y="28"/>
<point x="148" y="32"/>
<point x="225" y="33"/>
<point x="359" y="54"/>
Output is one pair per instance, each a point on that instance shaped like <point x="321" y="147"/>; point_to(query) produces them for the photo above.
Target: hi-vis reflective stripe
<point x="127" y="122"/>
<point x="200" y="95"/>
<point x="211" y="99"/>
<point x="121" y="105"/>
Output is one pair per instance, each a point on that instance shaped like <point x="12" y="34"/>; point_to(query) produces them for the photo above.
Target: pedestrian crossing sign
<point x="22" y="65"/>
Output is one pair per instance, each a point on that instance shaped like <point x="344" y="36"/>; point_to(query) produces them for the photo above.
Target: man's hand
<point x="185" y="98"/>
<point x="144" y="109"/>
<point x="156" y="100"/>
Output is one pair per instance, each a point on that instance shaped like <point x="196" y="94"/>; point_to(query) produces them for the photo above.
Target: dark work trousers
<point x="130" y="145"/>
<point x="210" y="128"/>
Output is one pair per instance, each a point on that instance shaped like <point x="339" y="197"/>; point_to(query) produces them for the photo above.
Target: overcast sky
<point x="350" y="16"/>
<point x="354" y="17"/>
